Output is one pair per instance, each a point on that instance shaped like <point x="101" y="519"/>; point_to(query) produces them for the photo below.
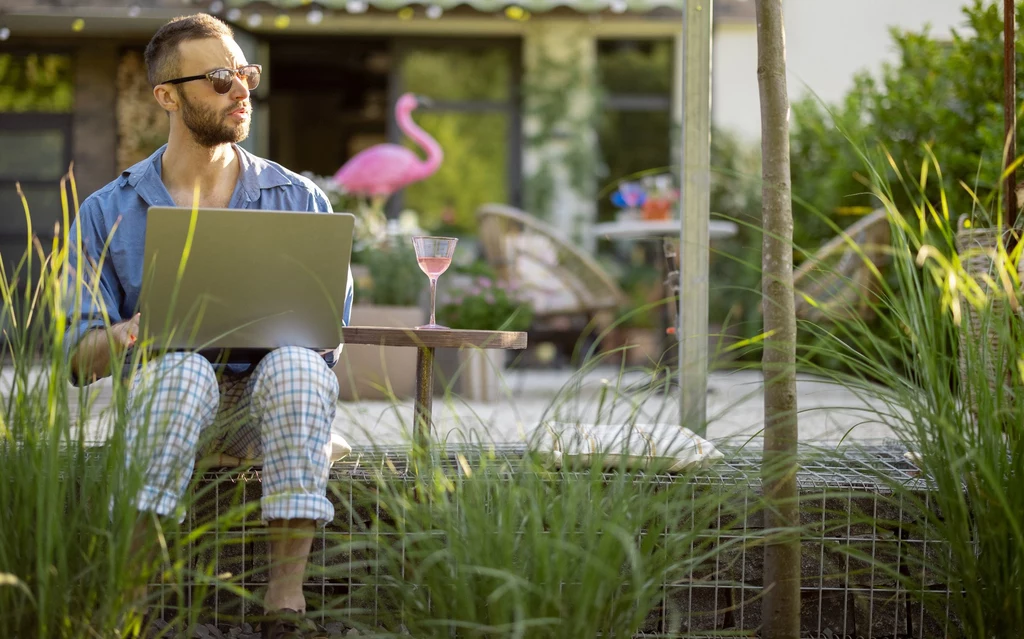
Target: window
<point x="328" y="99"/>
<point x="32" y="154"/>
<point x="334" y="97"/>
<point x="635" y="131"/>
<point x="36" y="100"/>
<point x="36" y="83"/>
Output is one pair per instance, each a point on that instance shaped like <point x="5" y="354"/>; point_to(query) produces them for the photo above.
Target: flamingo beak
<point x="423" y="101"/>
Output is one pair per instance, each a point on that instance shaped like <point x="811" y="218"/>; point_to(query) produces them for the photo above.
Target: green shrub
<point x="395" y="275"/>
<point x="943" y="93"/>
<point x="485" y="304"/>
<point x="941" y="97"/>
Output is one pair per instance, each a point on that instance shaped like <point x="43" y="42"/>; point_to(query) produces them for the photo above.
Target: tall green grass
<point x="513" y="547"/>
<point x="931" y="360"/>
<point x="491" y="549"/>
<point x="68" y="564"/>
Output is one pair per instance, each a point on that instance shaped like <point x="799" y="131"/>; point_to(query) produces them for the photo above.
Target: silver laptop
<point x="244" y="280"/>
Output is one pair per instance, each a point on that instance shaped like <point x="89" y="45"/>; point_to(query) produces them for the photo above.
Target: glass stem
<point x="433" y="293"/>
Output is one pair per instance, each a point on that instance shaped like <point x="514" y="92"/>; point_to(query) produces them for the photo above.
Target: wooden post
<point x="696" y="212"/>
<point x="423" y="421"/>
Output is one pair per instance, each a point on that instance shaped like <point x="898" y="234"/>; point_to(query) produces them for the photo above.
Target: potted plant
<point x="480" y="302"/>
<point x="653" y="197"/>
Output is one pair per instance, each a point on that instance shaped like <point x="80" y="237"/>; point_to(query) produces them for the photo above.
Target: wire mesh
<point x="844" y="593"/>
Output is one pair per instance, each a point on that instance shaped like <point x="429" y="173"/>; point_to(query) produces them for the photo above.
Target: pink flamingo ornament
<point x="382" y="169"/>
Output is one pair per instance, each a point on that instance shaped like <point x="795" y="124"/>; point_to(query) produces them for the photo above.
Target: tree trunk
<point x="781" y="606"/>
<point x="1010" y="109"/>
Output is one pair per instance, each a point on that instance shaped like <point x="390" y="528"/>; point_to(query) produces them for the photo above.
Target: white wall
<point x="827" y="41"/>
<point x="734" y="93"/>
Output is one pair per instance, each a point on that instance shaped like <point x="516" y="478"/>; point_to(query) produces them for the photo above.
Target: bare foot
<point x="290" y="541"/>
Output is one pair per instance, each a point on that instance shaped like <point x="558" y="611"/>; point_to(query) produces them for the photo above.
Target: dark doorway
<point x="328" y="100"/>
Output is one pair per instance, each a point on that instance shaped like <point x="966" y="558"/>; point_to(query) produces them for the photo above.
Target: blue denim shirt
<point x="262" y="184"/>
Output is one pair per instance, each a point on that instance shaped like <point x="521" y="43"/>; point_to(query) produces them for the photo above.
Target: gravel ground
<point x="333" y="630"/>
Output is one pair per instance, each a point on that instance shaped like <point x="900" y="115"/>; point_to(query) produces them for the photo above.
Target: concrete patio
<point x="828" y="411"/>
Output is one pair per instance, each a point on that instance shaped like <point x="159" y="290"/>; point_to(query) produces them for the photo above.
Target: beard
<point x="208" y="127"/>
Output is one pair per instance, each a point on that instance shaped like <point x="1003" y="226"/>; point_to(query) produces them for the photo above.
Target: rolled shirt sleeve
<point x="90" y="284"/>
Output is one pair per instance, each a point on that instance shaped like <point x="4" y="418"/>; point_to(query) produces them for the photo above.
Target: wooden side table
<point x="427" y="341"/>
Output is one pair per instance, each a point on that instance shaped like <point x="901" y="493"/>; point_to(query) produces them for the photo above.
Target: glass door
<point x="474" y="87"/>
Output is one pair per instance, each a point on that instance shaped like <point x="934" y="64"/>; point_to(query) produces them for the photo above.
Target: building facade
<point x="540" y="109"/>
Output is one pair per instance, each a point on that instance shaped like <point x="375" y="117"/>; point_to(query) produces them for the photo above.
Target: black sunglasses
<point x="222" y="79"/>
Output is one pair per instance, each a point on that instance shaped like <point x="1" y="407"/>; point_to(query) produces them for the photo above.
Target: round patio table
<point x="717" y="229"/>
<point x="426" y="341"/>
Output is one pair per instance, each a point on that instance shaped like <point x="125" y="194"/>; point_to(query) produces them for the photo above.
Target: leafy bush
<point x="395" y="275"/>
<point x="940" y="102"/>
<point x="735" y="268"/>
<point x="485" y="305"/>
<point x="941" y="95"/>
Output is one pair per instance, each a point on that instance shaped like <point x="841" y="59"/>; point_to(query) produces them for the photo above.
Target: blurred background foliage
<point x="939" y="101"/>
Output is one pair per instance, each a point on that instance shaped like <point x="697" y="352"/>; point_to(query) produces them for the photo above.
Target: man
<point x="280" y="408"/>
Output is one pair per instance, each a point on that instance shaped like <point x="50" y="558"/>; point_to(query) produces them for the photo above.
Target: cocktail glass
<point x="434" y="255"/>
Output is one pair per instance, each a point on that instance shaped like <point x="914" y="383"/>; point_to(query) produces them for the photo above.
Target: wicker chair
<point x="833" y="284"/>
<point x="570" y="291"/>
<point x="837" y="277"/>
<point x="983" y="335"/>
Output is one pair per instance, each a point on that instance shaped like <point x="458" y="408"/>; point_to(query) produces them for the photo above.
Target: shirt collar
<point x="256" y="174"/>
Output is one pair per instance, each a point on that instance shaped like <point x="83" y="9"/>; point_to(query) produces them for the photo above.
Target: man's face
<point x="212" y="118"/>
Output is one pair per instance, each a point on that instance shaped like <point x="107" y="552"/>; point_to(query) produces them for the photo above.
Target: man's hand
<point x="92" y="359"/>
<point x="126" y="333"/>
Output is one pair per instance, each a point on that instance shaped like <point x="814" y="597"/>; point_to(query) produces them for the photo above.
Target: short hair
<point x="162" y="58"/>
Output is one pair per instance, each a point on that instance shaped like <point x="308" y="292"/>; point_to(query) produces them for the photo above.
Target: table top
<point x="717" y="229"/>
<point x="450" y="338"/>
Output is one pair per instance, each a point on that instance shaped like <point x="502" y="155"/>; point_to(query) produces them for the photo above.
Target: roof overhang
<point x="104" y="18"/>
<point x="483" y="6"/>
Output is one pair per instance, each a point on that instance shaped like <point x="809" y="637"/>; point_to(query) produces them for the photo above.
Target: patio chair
<point x="833" y="284"/>
<point x="836" y="282"/>
<point x="569" y="290"/>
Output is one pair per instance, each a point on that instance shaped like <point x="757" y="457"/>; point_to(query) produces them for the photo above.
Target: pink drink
<point x="434" y="266"/>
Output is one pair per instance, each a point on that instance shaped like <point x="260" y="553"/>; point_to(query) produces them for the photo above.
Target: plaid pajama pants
<point x="281" y="411"/>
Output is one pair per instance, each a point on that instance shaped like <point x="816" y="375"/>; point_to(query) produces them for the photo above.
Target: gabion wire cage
<point x="843" y="594"/>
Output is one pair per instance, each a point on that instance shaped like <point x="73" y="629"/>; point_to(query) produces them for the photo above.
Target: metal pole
<point x="696" y="210"/>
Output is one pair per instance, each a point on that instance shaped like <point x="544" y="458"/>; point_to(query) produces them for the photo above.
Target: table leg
<point x="668" y="318"/>
<point x="424" y="395"/>
<point x="666" y="374"/>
